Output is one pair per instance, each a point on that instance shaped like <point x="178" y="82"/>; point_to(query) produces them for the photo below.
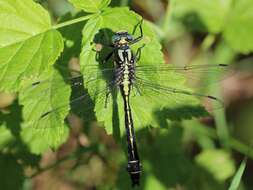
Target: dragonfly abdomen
<point x="133" y="166"/>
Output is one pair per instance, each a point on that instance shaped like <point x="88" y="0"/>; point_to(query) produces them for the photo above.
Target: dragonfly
<point x="131" y="81"/>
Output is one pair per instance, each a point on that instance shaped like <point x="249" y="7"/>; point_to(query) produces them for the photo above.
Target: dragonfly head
<point x="122" y="37"/>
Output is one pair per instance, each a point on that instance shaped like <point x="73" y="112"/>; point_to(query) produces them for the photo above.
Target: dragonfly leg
<point x="138" y="53"/>
<point x="141" y="36"/>
<point x="106" y="97"/>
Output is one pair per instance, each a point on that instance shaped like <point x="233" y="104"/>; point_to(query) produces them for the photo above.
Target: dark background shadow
<point x="164" y="159"/>
<point x="16" y="155"/>
<point x="179" y="114"/>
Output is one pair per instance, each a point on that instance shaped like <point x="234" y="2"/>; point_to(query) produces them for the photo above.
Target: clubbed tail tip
<point x="134" y="170"/>
<point x="135" y="179"/>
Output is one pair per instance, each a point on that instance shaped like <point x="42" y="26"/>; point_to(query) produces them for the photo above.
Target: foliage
<point x="238" y="176"/>
<point x="32" y="49"/>
<point x="231" y="18"/>
<point x="28" y="45"/>
<point x="91" y="6"/>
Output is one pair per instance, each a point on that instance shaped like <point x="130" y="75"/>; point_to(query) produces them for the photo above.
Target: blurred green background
<point x="194" y="154"/>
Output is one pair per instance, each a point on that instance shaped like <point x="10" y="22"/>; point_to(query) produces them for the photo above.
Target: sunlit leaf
<point x="238" y="176"/>
<point x="91" y="6"/>
<point x="212" y="13"/>
<point x="239" y="26"/>
<point x="49" y="131"/>
<point x="5" y="136"/>
<point x="27" y="45"/>
<point x="21" y="20"/>
<point x="100" y="30"/>
<point x="231" y="18"/>
<point x="217" y="162"/>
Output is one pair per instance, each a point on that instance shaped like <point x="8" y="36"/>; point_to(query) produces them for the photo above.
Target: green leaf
<point x="21" y="20"/>
<point x="153" y="183"/>
<point x="28" y="48"/>
<point x="101" y="29"/>
<point x="238" y="176"/>
<point x="91" y="6"/>
<point x="217" y="162"/>
<point x="239" y="26"/>
<point x="27" y="45"/>
<point x="10" y="126"/>
<point x="5" y="136"/>
<point x="170" y="155"/>
<point x="232" y="19"/>
<point x="49" y="131"/>
<point x="24" y="59"/>
<point x="212" y="13"/>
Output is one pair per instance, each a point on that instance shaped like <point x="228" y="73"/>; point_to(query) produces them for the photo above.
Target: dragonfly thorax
<point x="125" y="67"/>
<point x="124" y="55"/>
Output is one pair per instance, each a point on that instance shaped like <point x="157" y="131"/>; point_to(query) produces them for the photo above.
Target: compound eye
<point x="115" y="38"/>
<point x="129" y="38"/>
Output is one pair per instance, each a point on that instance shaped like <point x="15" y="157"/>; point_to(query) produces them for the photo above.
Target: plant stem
<point x="167" y="18"/>
<point x="74" y="21"/>
<point x="208" y="42"/>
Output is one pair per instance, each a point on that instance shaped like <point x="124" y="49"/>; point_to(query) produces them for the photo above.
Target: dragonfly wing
<point x="195" y="74"/>
<point x="47" y="100"/>
<point x="176" y="96"/>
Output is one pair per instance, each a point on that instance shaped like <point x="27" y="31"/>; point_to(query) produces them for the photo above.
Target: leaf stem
<point x="74" y="21"/>
<point x="208" y="42"/>
<point x="167" y="18"/>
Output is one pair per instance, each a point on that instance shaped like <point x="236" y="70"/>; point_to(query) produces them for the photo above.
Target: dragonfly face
<point x="121" y="38"/>
<point x="122" y="50"/>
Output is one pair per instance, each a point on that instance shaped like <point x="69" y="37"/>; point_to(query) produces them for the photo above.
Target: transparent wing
<point x="190" y="71"/>
<point x="48" y="101"/>
<point x="166" y="67"/>
<point x="176" y="95"/>
<point x="55" y="117"/>
<point x="194" y="73"/>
